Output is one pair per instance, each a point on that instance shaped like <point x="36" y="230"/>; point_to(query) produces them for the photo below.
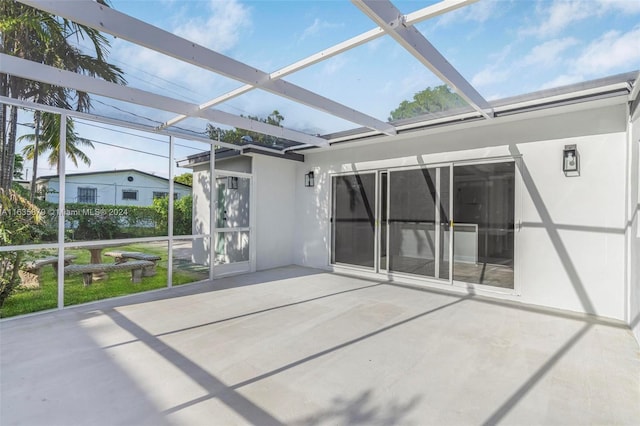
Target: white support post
<point x="438" y="226"/>
<point x="212" y="209"/>
<point x="170" y="218"/>
<point x="61" y="206"/>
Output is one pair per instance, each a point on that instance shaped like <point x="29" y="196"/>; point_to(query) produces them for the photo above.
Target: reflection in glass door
<point x="418" y="222"/>
<point x="413" y="210"/>
<point x="484" y="215"/>
<point x="353" y="219"/>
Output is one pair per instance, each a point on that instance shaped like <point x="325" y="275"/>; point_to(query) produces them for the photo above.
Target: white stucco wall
<point x="633" y="228"/>
<point x="570" y="251"/>
<point x="275" y="184"/>
<point x="110" y="185"/>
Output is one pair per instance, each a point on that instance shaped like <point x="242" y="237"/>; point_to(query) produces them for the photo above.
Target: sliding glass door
<point x="353" y="219"/>
<point x="400" y="221"/>
<point x="418" y="221"/>
<point x="484" y="233"/>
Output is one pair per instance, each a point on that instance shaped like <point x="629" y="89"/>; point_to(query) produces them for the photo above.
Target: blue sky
<point x="503" y="47"/>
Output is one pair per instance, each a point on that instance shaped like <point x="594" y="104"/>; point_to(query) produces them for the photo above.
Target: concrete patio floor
<point x="305" y="347"/>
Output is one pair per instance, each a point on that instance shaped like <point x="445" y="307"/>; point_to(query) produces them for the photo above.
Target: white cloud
<point x="479" y="12"/>
<point x="497" y="71"/>
<point x="316" y="28"/>
<point x="491" y="75"/>
<point x="626" y="6"/>
<point x="563" y="80"/>
<point x="562" y="13"/>
<point x="220" y="28"/>
<point x="548" y="53"/>
<point x="333" y="65"/>
<point x="612" y="50"/>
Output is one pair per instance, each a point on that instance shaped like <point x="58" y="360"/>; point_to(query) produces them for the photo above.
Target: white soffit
<point x="44" y="73"/>
<point x="394" y="23"/>
<point x="105" y="19"/>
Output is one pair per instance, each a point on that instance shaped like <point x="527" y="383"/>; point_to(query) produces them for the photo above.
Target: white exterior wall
<point x="633" y="228"/>
<point x="110" y="186"/>
<point x="275" y="184"/>
<point x="570" y="251"/>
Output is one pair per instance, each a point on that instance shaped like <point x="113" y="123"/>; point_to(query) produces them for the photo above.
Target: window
<point x="88" y="195"/>
<point x="158" y="194"/>
<point x="129" y="194"/>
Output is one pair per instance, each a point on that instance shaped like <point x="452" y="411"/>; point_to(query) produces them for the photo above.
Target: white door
<point x="232" y="233"/>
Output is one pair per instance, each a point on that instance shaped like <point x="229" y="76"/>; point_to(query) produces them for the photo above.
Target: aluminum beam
<point x="394" y="23"/>
<point x="412" y="18"/>
<point x="47" y="74"/>
<point x="114" y="122"/>
<point x="105" y="19"/>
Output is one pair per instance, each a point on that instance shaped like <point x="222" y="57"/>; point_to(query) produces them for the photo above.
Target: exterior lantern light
<point x="308" y="179"/>
<point x="232" y="182"/>
<point x="570" y="161"/>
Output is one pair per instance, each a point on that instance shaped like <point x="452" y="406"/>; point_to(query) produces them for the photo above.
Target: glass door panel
<point x="484" y="215"/>
<point x="353" y="221"/>
<point x="232" y="236"/>
<point x="417" y="241"/>
<point x="382" y="214"/>
<point x="444" y="185"/>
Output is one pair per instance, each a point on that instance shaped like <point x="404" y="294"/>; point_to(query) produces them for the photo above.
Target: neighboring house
<point x="23" y="183"/>
<point x="486" y="207"/>
<point x="115" y="187"/>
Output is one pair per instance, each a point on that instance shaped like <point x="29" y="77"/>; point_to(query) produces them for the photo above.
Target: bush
<point x="21" y="224"/>
<point x="182" y="214"/>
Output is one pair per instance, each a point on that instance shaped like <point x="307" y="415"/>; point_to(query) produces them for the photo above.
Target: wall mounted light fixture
<point x="232" y="182"/>
<point x="309" y="179"/>
<point x="570" y="161"/>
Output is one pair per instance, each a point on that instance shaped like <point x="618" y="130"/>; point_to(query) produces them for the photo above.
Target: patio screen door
<point x="394" y="221"/>
<point x="232" y="220"/>
<point x="353" y="220"/>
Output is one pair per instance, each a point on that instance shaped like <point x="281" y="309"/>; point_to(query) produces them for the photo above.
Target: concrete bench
<point x="124" y="256"/>
<point x="87" y="270"/>
<point x="31" y="272"/>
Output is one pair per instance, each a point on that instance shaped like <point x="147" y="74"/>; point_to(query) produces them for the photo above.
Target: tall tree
<point x="49" y="141"/>
<point x="44" y="38"/>
<point x="18" y="166"/>
<point x="436" y="99"/>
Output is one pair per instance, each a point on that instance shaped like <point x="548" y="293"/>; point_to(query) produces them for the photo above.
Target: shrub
<point x="21" y="224"/>
<point x="182" y="214"/>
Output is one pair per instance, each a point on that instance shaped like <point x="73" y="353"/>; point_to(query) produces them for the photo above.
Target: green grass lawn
<point x="24" y="301"/>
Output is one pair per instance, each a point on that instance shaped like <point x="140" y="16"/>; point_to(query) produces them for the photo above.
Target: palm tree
<point x="49" y="141"/>
<point x="42" y="37"/>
